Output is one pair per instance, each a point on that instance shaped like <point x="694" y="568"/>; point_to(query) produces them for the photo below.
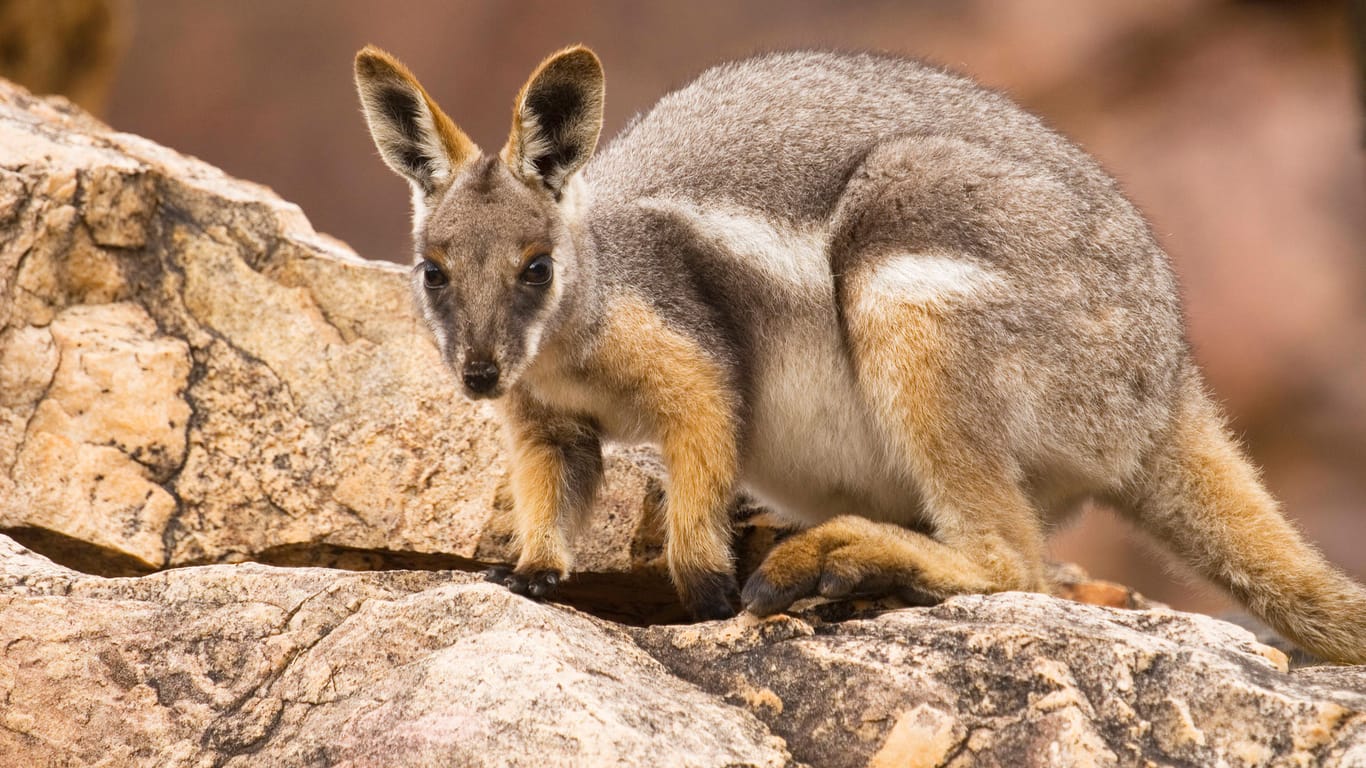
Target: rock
<point x="253" y="665"/>
<point x="234" y="665"/>
<point x="1019" y="680"/>
<point x="190" y="374"/>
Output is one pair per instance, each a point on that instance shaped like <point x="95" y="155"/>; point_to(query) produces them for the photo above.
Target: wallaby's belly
<point x="814" y="450"/>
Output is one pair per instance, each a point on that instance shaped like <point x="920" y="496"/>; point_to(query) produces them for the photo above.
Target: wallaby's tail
<point x="1203" y="498"/>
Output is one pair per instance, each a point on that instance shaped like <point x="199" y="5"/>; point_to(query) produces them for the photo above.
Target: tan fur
<point x="1204" y="499"/>
<point x="903" y="356"/>
<point x="849" y="554"/>
<point x="374" y="65"/>
<point x="670" y="379"/>
<point x="538" y="494"/>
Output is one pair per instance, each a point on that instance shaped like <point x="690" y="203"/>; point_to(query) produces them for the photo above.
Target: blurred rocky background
<point x="1235" y="125"/>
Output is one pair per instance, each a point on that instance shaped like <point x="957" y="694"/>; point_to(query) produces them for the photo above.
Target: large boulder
<point x="253" y="665"/>
<point x="190" y="374"/>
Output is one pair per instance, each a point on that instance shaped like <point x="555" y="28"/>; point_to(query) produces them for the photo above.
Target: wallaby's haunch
<point x="888" y="303"/>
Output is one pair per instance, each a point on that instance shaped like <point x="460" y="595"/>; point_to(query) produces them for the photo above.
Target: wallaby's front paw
<point x="538" y="583"/>
<point x="711" y="597"/>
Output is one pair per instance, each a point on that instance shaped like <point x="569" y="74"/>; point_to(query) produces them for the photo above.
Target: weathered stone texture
<point x="254" y="665"/>
<point x="265" y="666"/>
<point x="190" y="374"/>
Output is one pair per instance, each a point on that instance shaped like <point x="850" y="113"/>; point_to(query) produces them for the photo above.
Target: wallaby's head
<point x="495" y="259"/>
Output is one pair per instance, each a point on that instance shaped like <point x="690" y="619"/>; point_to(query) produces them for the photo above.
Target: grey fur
<point x="889" y="155"/>
<point x="760" y="212"/>
<point x="883" y="155"/>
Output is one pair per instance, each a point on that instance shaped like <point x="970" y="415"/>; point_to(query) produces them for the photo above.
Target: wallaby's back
<point x="781" y="145"/>
<point x="781" y="132"/>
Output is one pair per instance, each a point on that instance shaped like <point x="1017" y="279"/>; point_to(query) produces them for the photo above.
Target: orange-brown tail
<point x="1202" y="497"/>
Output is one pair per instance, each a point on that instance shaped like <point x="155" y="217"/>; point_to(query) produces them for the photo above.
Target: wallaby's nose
<point x="481" y="376"/>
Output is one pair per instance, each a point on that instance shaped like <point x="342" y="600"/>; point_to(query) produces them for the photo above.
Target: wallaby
<point x="883" y="300"/>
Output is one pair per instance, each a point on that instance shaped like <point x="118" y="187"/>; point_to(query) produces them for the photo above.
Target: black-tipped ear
<point x="557" y="118"/>
<point x="414" y="137"/>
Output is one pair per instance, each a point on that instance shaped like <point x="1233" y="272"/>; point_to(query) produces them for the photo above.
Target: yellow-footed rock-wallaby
<point x="885" y="301"/>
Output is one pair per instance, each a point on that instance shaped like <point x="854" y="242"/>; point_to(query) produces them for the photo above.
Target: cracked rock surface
<point x="256" y="665"/>
<point x="191" y="378"/>
<point x="238" y="665"/>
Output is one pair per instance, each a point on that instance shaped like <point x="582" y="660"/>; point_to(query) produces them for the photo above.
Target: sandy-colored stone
<point x="105" y="422"/>
<point x="258" y="666"/>
<point x="273" y="394"/>
<point x="1021" y="680"/>
<point x="28" y="358"/>
<point x="265" y="666"/>
<point x="118" y="383"/>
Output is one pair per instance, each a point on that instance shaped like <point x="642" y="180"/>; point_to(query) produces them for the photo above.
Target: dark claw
<point x="762" y="597"/>
<point x="544" y="584"/>
<point x="712" y="597"/>
<point x="516" y="583"/>
<point x="537" y="584"/>
<point x="498" y="574"/>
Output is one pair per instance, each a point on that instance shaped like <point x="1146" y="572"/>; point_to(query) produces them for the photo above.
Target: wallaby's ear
<point x="556" y="120"/>
<point x="414" y="136"/>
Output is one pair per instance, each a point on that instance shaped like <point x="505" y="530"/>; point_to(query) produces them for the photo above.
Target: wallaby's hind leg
<point x="986" y="536"/>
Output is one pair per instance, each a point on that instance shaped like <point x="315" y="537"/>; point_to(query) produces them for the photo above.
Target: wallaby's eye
<point x="432" y="276"/>
<point x="538" y="271"/>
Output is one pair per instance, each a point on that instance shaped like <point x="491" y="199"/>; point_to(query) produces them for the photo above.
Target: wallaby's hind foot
<point x="857" y="556"/>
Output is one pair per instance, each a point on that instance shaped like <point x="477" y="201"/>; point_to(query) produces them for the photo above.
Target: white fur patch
<point x="815" y="451"/>
<point x="794" y="255"/>
<point x="534" y="144"/>
<point x="922" y="278"/>
<point x="575" y="199"/>
<point x="419" y="210"/>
